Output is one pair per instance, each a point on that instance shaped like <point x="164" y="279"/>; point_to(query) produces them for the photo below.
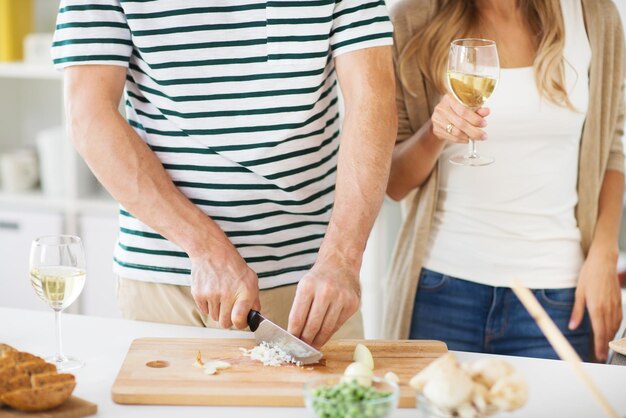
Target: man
<point x="228" y="170"/>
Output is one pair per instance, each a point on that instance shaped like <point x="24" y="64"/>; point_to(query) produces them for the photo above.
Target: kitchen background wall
<point x="67" y="198"/>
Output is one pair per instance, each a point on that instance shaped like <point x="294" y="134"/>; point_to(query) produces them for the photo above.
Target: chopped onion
<point x="216" y="364"/>
<point x="270" y="355"/>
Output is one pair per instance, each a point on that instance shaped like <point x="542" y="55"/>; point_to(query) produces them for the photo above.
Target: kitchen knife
<point x="267" y="331"/>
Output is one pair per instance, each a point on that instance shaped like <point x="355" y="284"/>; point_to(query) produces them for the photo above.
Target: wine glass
<point x="473" y="71"/>
<point x="57" y="273"/>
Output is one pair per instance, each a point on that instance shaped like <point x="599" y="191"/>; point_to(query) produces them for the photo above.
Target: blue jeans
<point x="474" y="317"/>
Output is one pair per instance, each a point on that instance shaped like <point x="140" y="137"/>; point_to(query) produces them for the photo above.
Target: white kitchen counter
<point x="102" y="343"/>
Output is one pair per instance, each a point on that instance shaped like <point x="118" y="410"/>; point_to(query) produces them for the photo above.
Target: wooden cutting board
<point x="248" y="382"/>
<point x="73" y="408"/>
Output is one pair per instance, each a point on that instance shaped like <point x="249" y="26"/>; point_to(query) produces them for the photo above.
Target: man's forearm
<point x="133" y="174"/>
<point x="363" y="169"/>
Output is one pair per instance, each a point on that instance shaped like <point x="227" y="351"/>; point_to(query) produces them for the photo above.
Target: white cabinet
<point x="17" y="231"/>
<point x="99" y="234"/>
<point x="31" y="100"/>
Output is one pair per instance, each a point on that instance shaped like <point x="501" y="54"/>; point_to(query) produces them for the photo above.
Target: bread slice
<point x="39" y="399"/>
<point x="9" y="373"/>
<point x="23" y="357"/>
<point x="36" y="367"/>
<point x="5" y="349"/>
<point x="7" y="377"/>
<point x="6" y="362"/>
<point x="20" y="382"/>
<point x="39" y="380"/>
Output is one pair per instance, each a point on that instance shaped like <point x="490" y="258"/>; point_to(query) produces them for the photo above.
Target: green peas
<point x="350" y="400"/>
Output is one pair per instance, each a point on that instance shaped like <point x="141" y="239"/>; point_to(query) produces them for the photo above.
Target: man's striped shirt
<point x="238" y="99"/>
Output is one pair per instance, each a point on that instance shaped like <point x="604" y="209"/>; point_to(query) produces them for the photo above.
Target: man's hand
<point x="224" y="287"/>
<point x="599" y="289"/>
<point x="326" y="298"/>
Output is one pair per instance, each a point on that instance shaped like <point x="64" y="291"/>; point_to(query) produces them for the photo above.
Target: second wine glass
<point x="57" y="273"/>
<point x="473" y="71"/>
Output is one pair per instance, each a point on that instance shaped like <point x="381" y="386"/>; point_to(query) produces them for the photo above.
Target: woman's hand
<point x="456" y="123"/>
<point x="598" y="288"/>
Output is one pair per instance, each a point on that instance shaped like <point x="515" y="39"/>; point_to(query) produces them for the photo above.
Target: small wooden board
<point x="73" y="408"/>
<point x="248" y="382"/>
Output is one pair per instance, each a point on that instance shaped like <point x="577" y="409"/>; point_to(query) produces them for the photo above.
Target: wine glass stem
<point x="57" y="327"/>
<point x="473" y="153"/>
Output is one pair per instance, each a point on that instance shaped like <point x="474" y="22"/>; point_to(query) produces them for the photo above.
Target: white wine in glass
<point x="473" y="71"/>
<point x="57" y="273"/>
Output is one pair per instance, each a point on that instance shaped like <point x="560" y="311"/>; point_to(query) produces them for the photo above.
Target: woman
<point x="547" y="212"/>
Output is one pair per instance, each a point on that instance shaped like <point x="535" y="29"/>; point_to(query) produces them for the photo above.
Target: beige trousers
<point x="155" y="302"/>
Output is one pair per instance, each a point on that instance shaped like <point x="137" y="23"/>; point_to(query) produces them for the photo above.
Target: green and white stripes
<point x="238" y="99"/>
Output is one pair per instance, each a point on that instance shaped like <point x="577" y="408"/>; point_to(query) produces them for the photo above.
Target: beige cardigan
<point x="600" y="150"/>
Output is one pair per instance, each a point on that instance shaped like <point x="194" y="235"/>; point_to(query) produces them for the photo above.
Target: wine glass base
<point x="65" y="364"/>
<point x="471" y="161"/>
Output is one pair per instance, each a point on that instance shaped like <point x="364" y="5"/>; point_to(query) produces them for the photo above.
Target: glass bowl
<point x="426" y="409"/>
<point x="320" y="406"/>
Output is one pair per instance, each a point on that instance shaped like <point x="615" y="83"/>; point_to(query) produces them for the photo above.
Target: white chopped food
<point x="509" y="393"/>
<point x="480" y="397"/>
<point x="217" y="364"/>
<point x="359" y="372"/>
<point x="447" y="363"/>
<point x="392" y="377"/>
<point x="473" y="389"/>
<point x="210" y="367"/>
<point x="489" y="370"/>
<point x="466" y="410"/>
<point x="210" y="370"/>
<point x="449" y="388"/>
<point x="363" y="355"/>
<point x="270" y="355"/>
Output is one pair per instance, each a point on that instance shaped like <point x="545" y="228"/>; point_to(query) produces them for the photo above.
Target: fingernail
<point x="483" y="123"/>
<point x="483" y="137"/>
<point x="571" y="325"/>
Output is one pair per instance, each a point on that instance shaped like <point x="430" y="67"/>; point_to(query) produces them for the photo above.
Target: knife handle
<point x="254" y="319"/>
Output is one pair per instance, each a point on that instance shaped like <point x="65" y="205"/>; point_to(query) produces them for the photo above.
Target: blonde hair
<point x="430" y="45"/>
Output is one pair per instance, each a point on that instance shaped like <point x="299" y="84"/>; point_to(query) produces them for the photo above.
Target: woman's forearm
<point x="413" y="161"/>
<point x="606" y="235"/>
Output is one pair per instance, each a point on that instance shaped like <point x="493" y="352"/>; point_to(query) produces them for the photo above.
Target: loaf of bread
<point x="41" y="398"/>
<point x="28" y="383"/>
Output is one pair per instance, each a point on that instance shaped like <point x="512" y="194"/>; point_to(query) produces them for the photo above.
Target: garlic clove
<point x="359" y="372"/>
<point x="362" y="354"/>
<point x="392" y="377"/>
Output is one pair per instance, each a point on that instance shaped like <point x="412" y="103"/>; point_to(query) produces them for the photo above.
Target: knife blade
<point x="266" y="331"/>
